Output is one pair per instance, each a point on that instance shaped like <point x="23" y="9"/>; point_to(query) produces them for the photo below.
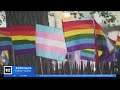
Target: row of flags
<point x="83" y="39"/>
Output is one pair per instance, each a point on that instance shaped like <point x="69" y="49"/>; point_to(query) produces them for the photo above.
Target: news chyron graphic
<point x="19" y="71"/>
<point x="7" y="70"/>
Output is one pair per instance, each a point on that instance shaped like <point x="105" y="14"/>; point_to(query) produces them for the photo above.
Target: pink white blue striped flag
<point x="50" y="43"/>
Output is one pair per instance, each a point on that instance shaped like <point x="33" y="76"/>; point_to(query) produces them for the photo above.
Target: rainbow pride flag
<point x="86" y="34"/>
<point x="86" y="54"/>
<point x="89" y="54"/>
<point x="118" y="42"/>
<point x="101" y="38"/>
<point x="101" y="43"/>
<point x="50" y="43"/>
<point x="5" y="39"/>
<point x="117" y="48"/>
<point x="79" y="35"/>
<point x="23" y="39"/>
<point x="6" y="54"/>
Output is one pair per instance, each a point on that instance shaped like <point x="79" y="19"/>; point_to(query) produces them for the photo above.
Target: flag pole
<point x="115" y="46"/>
<point x="54" y="65"/>
<point x="58" y="67"/>
<point x="66" y="54"/>
<point x="41" y="65"/>
<point x="13" y="54"/>
<point x="96" y="47"/>
<point x="70" y="65"/>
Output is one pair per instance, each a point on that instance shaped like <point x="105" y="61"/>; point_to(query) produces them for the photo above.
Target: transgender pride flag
<point x="50" y="43"/>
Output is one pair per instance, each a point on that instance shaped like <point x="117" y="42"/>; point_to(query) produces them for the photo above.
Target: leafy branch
<point x="2" y="17"/>
<point x="108" y="17"/>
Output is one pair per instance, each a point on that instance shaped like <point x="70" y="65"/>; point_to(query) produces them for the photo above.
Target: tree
<point x="26" y="17"/>
<point x="107" y="17"/>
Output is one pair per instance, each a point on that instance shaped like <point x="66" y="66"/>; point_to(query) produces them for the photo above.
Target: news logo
<point x="7" y="69"/>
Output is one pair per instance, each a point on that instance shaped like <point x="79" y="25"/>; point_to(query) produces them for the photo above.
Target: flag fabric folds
<point x="118" y="43"/>
<point x="50" y="43"/>
<point x="23" y="39"/>
<point x="5" y="39"/>
<point x="86" y="54"/>
<point x="117" y="47"/>
<point x="111" y="47"/>
<point x="112" y="58"/>
<point x="102" y="43"/>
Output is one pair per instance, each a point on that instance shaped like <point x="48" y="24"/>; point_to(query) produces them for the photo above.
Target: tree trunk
<point x="26" y="18"/>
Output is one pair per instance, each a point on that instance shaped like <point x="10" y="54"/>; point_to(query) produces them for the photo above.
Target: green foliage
<point x="107" y="15"/>
<point x="3" y="18"/>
